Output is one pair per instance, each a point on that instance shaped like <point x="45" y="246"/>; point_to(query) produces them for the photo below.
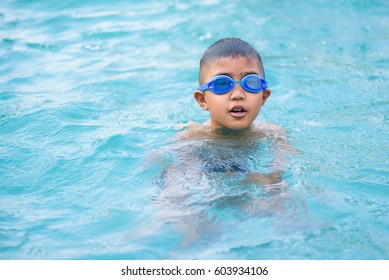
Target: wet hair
<point x="230" y="48"/>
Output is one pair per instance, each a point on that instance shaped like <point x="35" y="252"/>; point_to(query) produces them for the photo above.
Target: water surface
<point x="91" y="94"/>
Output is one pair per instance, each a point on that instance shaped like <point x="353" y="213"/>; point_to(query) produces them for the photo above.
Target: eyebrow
<point x="243" y="74"/>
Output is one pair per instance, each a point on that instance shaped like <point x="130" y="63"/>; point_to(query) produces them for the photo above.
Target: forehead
<point x="235" y="67"/>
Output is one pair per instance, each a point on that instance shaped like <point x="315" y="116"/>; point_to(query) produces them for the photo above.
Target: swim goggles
<point x="222" y="84"/>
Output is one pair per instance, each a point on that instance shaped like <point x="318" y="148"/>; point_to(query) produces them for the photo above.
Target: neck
<point x="224" y="131"/>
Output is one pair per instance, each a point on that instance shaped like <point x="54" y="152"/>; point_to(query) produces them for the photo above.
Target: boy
<point x="233" y="89"/>
<point x="214" y="162"/>
<point x="232" y="82"/>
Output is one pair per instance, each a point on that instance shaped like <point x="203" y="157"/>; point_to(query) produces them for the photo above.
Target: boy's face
<point x="224" y="108"/>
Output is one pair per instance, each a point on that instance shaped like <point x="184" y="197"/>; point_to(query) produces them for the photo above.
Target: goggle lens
<point x="222" y="84"/>
<point x="252" y="83"/>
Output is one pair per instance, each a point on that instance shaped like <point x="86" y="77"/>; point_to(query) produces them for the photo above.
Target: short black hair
<point x="232" y="48"/>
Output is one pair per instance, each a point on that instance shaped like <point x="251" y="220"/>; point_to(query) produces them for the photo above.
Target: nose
<point x="237" y="92"/>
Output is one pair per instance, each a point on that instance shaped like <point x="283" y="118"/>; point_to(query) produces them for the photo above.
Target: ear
<point x="265" y="95"/>
<point x="200" y="98"/>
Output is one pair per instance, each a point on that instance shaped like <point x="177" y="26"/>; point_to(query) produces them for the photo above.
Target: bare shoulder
<point x="194" y="130"/>
<point x="271" y="130"/>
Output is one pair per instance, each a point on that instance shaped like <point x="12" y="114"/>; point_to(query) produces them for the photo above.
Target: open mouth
<point x="238" y="111"/>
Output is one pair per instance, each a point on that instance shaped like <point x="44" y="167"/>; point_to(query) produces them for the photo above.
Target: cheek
<point x="256" y="105"/>
<point x="214" y="102"/>
<point x="256" y="101"/>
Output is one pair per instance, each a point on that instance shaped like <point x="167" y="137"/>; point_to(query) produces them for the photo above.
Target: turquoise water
<point x="91" y="95"/>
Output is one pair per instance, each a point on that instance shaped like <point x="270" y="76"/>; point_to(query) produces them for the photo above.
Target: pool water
<point x="93" y="92"/>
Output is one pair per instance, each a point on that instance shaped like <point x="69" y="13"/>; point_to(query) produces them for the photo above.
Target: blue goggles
<point x="222" y="84"/>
